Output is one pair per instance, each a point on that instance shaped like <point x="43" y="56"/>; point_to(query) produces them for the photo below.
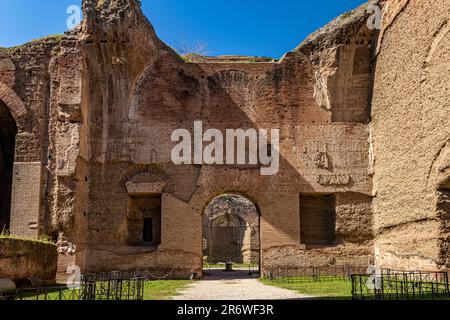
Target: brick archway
<point x="231" y="230"/>
<point x="13" y="102"/>
<point x="8" y="131"/>
<point x="14" y="119"/>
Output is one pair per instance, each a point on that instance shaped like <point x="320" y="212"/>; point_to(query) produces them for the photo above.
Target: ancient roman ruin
<point x="86" y="120"/>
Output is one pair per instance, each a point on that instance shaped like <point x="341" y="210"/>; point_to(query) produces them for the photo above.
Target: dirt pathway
<point x="234" y="286"/>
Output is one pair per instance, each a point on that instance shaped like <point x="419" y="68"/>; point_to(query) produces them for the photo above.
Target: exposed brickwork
<point x="22" y="259"/>
<point x="96" y="109"/>
<point x="109" y="105"/>
<point x="411" y="131"/>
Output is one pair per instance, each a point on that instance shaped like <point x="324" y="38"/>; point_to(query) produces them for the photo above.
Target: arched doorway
<point x="231" y="232"/>
<point x="8" y="131"/>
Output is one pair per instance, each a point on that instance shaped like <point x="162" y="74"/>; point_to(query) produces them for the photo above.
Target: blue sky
<point x="246" y="27"/>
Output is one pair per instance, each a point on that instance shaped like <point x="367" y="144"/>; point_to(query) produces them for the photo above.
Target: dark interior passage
<point x="148" y="230"/>
<point x="8" y="131"/>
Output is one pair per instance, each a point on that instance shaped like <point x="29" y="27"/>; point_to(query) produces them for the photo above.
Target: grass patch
<point x="154" y="290"/>
<point x="52" y="294"/>
<point x="50" y="38"/>
<point x="164" y="289"/>
<point x="347" y="15"/>
<point x="327" y="289"/>
<point x="5" y="234"/>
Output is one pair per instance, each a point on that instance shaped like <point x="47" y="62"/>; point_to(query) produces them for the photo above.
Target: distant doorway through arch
<point x="8" y="131"/>
<point x="231" y="233"/>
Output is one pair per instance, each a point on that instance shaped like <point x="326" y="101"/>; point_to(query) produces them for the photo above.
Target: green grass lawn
<point x="154" y="290"/>
<point x="52" y="294"/>
<point x="164" y="289"/>
<point x="327" y="289"/>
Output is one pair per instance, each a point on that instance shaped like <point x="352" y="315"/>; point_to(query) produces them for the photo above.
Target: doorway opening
<point x="148" y="230"/>
<point x="8" y="131"/>
<point x="144" y="221"/>
<point x="231" y="234"/>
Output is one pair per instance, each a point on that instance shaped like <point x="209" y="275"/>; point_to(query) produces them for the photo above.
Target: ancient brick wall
<point x="24" y="89"/>
<point x="22" y="259"/>
<point x="410" y="129"/>
<point x="40" y="85"/>
<point x="95" y="111"/>
<point x="138" y="91"/>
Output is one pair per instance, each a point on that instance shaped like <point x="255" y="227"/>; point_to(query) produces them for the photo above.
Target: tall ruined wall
<point x="40" y="84"/>
<point x="24" y="89"/>
<point x="136" y="91"/>
<point x="96" y="107"/>
<point x="411" y="132"/>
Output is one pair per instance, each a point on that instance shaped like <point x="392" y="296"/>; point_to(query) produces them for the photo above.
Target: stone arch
<point x="8" y="131"/>
<point x="218" y="193"/>
<point x="168" y="59"/>
<point x="213" y="182"/>
<point x="231" y="230"/>
<point x="143" y="174"/>
<point x="13" y="102"/>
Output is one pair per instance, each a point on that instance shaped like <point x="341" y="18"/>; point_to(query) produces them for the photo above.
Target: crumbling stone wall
<point x="95" y="110"/>
<point x="25" y="259"/>
<point x="24" y="89"/>
<point x="410" y="129"/>
<point x="138" y="91"/>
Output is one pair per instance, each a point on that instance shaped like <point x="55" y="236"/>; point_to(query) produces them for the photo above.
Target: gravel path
<point x="234" y="286"/>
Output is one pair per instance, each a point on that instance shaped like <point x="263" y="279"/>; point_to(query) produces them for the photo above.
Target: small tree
<point x="193" y="53"/>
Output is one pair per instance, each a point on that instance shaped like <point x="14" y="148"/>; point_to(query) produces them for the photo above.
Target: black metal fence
<point x="121" y="285"/>
<point x="313" y="274"/>
<point x="252" y="269"/>
<point x="400" y="285"/>
<point x="114" y="286"/>
<point x="61" y="293"/>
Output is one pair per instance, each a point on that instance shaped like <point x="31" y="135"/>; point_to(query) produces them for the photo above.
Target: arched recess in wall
<point x="231" y="230"/>
<point x="8" y="131"/>
<point x="13" y="115"/>
<point x="15" y="105"/>
<point x="139" y="83"/>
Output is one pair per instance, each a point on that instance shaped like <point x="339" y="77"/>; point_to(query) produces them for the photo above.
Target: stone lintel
<point x="145" y="188"/>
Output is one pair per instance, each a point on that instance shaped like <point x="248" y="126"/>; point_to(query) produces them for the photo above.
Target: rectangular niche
<point x="317" y="219"/>
<point x="144" y="221"/>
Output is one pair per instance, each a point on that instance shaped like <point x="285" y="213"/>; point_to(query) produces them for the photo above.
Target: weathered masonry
<point x="85" y="154"/>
